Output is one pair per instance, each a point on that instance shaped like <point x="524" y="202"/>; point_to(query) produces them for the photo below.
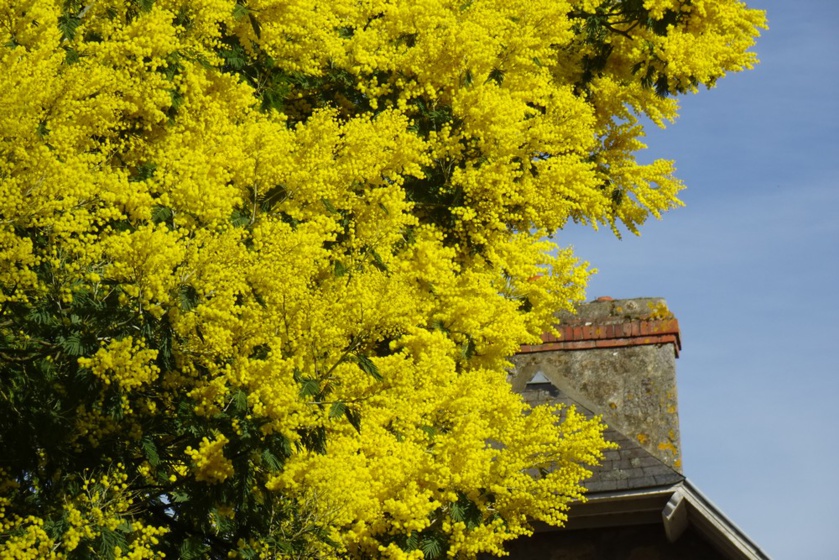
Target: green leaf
<point x="42" y="128"/>
<point x="377" y="261"/>
<point x="432" y="546"/>
<point x="144" y="172"/>
<point x="240" y="218"/>
<point x="109" y="540"/>
<point x="309" y="387"/>
<point x="240" y="11"/>
<point x="255" y="24"/>
<point x="71" y="55"/>
<point x="223" y="524"/>
<point x="458" y="512"/>
<point x="260" y="352"/>
<point x="234" y="57"/>
<point x="273" y="463"/>
<point x="67" y="24"/>
<point x="150" y="451"/>
<point x="345" y="32"/>
<point x="179" y="497"/>
<point x="466" y="511"/>
<point x="467" y="350"/>
<point x="271" y="198"/>
<point x="314" y="439"/>
<point x="367" y="365"/>
<point x="439" y="325"/>
<point x="340" y="268"/>
<point x="162" y="214"/>
<point x="240" y="401"/>
<point x="328" y="205"/>
<point x="354" y="418"/>
<point x="430" y="431"/>
<point x="72" y="344"/>
<point x="187" y="297"/>
<point x="337" y="409"/>
<point x="193" y="548"/>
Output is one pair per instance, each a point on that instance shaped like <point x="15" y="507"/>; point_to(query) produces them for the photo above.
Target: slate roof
<point x="630" y="467"/>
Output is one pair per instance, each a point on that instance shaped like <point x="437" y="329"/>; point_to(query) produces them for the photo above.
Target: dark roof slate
<point x="630" y="467"/>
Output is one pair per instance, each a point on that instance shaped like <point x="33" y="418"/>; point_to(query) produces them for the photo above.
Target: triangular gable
<point x="628" y="467"/>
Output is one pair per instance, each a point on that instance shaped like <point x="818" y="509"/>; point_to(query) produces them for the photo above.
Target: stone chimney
<point x="616" y="358"/>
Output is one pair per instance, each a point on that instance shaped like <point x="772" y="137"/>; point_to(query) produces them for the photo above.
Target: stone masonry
<point x="615" y="358"/>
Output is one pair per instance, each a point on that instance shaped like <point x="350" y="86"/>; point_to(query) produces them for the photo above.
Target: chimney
<point x="616" y="358"/>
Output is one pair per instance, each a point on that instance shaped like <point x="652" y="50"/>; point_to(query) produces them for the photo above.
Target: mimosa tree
<point x="262" y="263"/>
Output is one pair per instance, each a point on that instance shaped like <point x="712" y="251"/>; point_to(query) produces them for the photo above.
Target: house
<point x="617" y="359"/>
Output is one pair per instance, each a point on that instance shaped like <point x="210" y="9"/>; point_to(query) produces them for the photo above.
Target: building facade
<point x="617" y="359"/>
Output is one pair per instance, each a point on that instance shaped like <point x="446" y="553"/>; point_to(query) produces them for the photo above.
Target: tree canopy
<point x="262" y="262"/>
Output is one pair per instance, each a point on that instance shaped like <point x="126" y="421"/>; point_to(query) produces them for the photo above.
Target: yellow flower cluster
<point x="102" y="504"/>
<point x="27" y="540"/>
<point x="210" y="463"/>
<point x="433" y="434"/>
<point x="142" y="262"/>
<point x="16" y="261"/>
<point x="124" y="362"/>
<point x="143" y="545"/>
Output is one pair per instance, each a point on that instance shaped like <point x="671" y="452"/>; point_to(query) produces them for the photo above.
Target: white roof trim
<point x="675" y="515"/>
<point x="714" y="525"/>
<point x="679" y="505"/>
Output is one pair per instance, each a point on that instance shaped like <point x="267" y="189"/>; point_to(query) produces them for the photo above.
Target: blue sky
<point x="750" y="267"/>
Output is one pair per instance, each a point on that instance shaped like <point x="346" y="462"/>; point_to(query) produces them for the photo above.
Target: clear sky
<point x="750" y="267"/>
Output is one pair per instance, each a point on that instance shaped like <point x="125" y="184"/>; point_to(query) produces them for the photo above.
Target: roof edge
<point x="675" y="506"/>
<point x="712" y="522"/>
